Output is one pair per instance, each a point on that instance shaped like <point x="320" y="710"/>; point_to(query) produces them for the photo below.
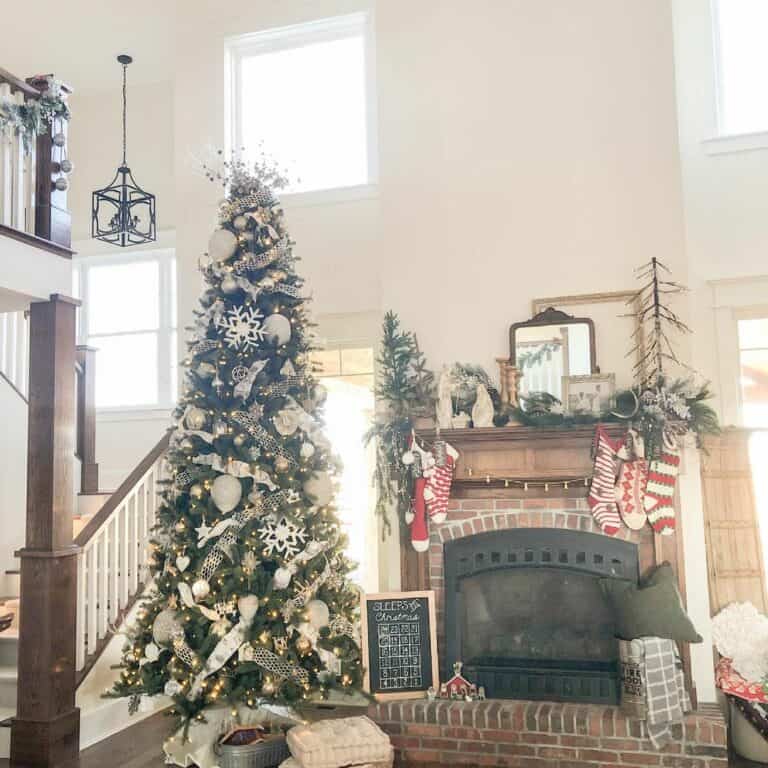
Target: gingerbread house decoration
<point x="458" y="687"/>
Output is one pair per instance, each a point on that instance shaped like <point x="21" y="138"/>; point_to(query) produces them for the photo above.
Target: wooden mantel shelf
<point x="490" y="457"/>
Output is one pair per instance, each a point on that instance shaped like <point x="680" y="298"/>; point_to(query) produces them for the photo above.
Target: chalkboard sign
<point x="399" y="644"/>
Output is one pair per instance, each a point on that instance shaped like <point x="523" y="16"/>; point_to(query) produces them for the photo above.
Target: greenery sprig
<point x="33" y="117"/>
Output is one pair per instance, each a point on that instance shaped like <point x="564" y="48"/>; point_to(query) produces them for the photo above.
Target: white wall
<point x="725" y="195"/>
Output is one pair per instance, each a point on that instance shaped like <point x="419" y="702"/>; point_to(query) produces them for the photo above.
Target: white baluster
<point x="114" y="568"/>
<point x="141" y="530"/>
<point x="30" y="173"/>
<point x="134" y="535"/>
<point x="124" y="555"/>
<point x="22" y="361"/>
<point x="6" y="177"/>
<point x="92" y="588"/>
<point x="80" y="623"/>
<point x="104" y="568"/>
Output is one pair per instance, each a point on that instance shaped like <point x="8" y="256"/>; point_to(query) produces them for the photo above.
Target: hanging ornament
<point x="303" y="645"/>
<point x="195" y="418"/>
<point x="318" y="613"/>
<point x="180" y="526"/>
<point x="244" y="378"/>
<point x="61" y="184"/>
<point x="182" y="563"/>
<point x="318" y="488"/>
<point x="282" y="464"/>
<point x="59" y="139"/>
<point x="240" y="222"/>
<point x="307" y="450"/>
<point x="408" y="458"/>
<point x="201" y="589"/>
<point x="165" y="625"/>
<point x="196" y="491"/>
<point x="282" y="578"/>
<point x="239" y="440"/>
<point x="250" y="561"/>
<point x="286" y="422"/>
<point x="243" y="328"/>
<point x="226" y="493"/>
<point x="277" y="329"/>
<point x="222" y="244"/>
<point x="229" y="285"/>
<point x="282" y="537"/>
<point x="66" y="165"/>
<point x="151" y="652"/>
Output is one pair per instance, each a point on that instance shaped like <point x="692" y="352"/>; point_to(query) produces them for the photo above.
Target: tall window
<point x="304" y="95"/>
<point x="741" y="27"/>
<point x="347" y="374"/>
<point x="129" y="316"/>
<point x="753" y="359"/>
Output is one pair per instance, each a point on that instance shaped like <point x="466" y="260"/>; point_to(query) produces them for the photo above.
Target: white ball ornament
<point x="222" y="244"/>
<point x="247" y="607"/>
<point x="307" y="450"/>
<point x="195" y="418"/>
<point x="319" y="488"/>
<point x="282" y="578"/>
<point x="408" y="458"/>
<point x="201" y="589"/>
<point x="226" y="492"/>
<point x="59" y="139"/>
<point x="286" y="422"/>
<point x="229" y="285"/>
<point x="240" y="222"/>
<point x="206" y="370"/>
<point x="318" y="614"/>
<point x="277" y="328"/>
<point x="66" y="166"/>
<point x="151" y="652"/>
<point x="62" y="184"/>
<point x="165" y="626"/>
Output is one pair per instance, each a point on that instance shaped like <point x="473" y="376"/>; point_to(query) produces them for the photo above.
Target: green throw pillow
<point x="654" y="609"/>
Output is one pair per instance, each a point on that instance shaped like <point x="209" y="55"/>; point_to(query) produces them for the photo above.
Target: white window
<point x="304" y="95"/>
<point x="741" y="27"/>
<point x="347" y="374"/>
<point x="129" y="315"/>
<point x="753" y="361"/>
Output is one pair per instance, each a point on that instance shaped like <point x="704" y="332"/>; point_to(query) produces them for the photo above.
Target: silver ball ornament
<point x="165" y="626"/>
<point x="201" y="589"/>
<point x="282" y="464"/>
<point x="307" y="450"/>
<point x="240" y="222"/>
<point x="66" y="166"/>
<point x="222" y="244"/>
<point x="195" y="418"/>
<point x="61" y="184"/>
<point x="229" y="285"/>
<point x="59" y="139"/>
<point x="277" y="329"/>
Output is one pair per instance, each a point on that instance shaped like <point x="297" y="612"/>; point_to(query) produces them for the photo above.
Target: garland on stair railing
<point x="33" y="117"/>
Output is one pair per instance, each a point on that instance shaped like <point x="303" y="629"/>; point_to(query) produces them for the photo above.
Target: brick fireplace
<point x="495" y="521"/>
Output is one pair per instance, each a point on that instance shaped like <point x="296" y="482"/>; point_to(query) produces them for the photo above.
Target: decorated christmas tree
<point x="250" y="601"/>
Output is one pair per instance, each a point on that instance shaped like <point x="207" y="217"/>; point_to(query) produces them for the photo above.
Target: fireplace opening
<point x="525" y="613"/>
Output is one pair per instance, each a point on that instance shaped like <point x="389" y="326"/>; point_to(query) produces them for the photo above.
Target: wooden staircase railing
<point x="30" y="203"/>
<point x="112" y="565"/>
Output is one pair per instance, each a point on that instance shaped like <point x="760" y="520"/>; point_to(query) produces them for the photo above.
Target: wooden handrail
<point x="117" y="498"/>
<point x="17" y="84"/>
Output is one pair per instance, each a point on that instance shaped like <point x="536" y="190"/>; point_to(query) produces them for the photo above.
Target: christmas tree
<point x="251" y="603"/>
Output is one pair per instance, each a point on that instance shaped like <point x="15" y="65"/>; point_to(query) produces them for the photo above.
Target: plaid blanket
<point x="666" y="697"/>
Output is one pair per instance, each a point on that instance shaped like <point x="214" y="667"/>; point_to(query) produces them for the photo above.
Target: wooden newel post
<point x="86" y="419"/>
<point x="46" y="729"/>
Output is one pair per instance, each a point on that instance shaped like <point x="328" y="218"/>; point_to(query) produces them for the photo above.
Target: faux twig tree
<point x="655" y="322"/>
<point x="405" y="390"/>
<point x="251" y="602"/>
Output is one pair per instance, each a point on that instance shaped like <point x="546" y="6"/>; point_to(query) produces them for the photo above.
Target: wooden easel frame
<point x="430" y="597"/>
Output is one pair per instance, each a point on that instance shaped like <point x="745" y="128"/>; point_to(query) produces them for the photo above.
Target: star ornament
<point x="203" y="532"/>
<point x="242" y="327"/>
<point x="282" y="537"/>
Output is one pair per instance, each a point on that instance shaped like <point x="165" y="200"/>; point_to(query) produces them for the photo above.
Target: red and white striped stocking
<point x="602" y="496"/>
<point x="660" y="488"/>
<point x="438" y="490"/>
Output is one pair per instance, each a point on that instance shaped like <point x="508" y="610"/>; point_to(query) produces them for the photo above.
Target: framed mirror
<point x="550" y="345"/>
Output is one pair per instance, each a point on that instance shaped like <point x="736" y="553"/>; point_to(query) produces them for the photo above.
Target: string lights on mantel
<point x="527" y="484"/>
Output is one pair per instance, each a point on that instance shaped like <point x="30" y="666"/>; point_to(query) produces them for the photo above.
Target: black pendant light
<point x="123" y="213"/>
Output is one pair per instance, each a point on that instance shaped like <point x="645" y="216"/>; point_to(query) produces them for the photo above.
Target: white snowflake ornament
<point x="282" y="537"/>
<point x="242" y="327"/>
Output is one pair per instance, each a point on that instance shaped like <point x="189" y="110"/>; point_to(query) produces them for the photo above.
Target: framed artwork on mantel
<point x="616" y="330"/>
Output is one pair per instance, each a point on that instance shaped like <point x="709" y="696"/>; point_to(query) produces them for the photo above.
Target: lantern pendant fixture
<point x="123" y="213"/>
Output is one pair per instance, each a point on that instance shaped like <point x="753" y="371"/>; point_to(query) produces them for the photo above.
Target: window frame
<point x="167" y="328"/>
<point x="724" y="142"/>
<point x="283" y="38"/>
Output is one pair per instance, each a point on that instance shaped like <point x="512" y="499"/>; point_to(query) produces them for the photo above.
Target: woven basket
<point x="262" y="754"/>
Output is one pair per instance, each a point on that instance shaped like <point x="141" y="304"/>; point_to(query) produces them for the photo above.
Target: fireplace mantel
<point x="489" y="456"/>
<point x="481" y="502"/>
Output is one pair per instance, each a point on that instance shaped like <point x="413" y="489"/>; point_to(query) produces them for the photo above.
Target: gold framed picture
<point x="589" y="395"/>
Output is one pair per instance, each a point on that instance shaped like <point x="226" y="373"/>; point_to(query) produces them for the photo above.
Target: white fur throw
<point x="740" y="633"/>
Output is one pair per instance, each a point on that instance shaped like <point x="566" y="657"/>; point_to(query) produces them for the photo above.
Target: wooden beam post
<point x="86" y="419"/>
<point x="46" y="730"/>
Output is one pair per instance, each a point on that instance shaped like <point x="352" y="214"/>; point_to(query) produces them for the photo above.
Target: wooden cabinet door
<point x="734" y="549"/>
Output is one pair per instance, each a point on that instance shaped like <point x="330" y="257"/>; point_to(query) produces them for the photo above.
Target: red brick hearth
<point x="519" y="734"/>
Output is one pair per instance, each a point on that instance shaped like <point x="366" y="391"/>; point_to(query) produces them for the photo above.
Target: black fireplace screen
<point x="525" y="613"/>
